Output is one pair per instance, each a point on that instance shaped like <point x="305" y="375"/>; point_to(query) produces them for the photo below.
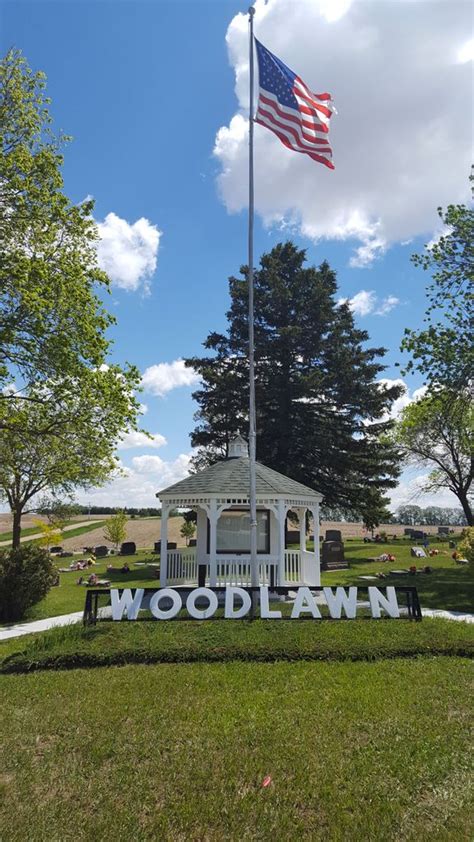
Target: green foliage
<point x="50" y="534"/>
<point x="438" y="432"/>
<point x="116" y="529"/>
<point x="466" y="547"/>
<point x="66" y="400"/>
<point x="443" y="351"/>
<point x="26" y="576"/>
<point x="319" y="406"/>
<point x="187" y="530"/>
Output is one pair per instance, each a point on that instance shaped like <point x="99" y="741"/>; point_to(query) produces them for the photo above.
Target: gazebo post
<point x="281" y="531"/>
<point x="213" y="516"/>
<point x="164" y="545"/>
<point x="317" y="565"/>
<point x="302" y="521"/>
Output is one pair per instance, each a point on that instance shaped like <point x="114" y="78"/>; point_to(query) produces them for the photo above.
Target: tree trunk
<point x="17" y="513"/>
<point x="463" y="499"/>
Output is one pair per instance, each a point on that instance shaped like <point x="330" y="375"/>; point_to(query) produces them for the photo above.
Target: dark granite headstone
<point x="292" y="536"/>
<point x="408" y="530"/>
<point x="443" y="530"/>
<point x="56" y="550"/>
<point x="172" y="545"/>
<point x="192" y="542"/>
<point x="128" y="548"/>
<point x="332" y="551"/>
<point x="333" y="535"/>
<point x="418" y="533"/>
<point x="101" y="552"/>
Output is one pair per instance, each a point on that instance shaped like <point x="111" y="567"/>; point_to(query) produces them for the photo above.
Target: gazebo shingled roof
<point x="232" y="476"/>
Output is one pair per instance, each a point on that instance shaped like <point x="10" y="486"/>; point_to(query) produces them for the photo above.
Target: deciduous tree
<point x="443" y="350"/>
<point x="437" y="432"/>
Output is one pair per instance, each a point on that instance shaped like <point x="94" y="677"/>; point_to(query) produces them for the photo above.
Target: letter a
<point x="304" y="604"/>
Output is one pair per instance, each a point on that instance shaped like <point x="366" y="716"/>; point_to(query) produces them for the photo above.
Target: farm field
<point x="180" y="751"/>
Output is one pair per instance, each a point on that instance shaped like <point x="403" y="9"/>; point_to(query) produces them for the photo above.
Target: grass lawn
<point x="450" y="586"/>
<point x="355" y="751"/>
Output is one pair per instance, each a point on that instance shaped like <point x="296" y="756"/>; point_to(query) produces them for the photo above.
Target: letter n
<point x="388" y="603"/>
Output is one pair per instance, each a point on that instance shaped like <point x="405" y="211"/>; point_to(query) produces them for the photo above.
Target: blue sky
<point x="148" y="92"/>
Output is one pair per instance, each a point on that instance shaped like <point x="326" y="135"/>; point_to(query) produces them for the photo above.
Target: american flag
<point x="299" y="117"/>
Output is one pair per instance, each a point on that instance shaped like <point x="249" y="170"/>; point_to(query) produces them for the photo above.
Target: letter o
<point x="168" y="613"/>
<point x="204" y="613"/>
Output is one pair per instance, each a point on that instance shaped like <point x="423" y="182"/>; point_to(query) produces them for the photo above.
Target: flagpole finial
<point x="251" y="11"/>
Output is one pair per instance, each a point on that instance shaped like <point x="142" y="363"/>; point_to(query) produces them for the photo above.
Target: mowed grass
<point x="450" y="586"/>
<point x="355" y="751"/>
<point x="127" y="642"/>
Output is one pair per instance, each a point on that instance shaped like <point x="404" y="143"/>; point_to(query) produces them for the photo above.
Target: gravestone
<point x="418" y="533"/>
<point x="292" y="536"/>
<point x="172" y="545"/>
<point x="192" y="542"/>
<point x="417" y="552"/>
<point x="332" y="553"/>
<point x="334" y="535"/>
<point x="101" y="552"/>
<point x="443" y="530"/>
<point x="56" y="550"/>
<point x="408" y="530"/>
<point x="128" y="548"/>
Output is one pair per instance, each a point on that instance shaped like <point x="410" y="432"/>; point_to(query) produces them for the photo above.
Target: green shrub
<point x="26" y="575"/>
<point x="466" y="547"/>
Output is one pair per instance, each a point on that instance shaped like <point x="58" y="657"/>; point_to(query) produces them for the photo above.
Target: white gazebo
<point x="219" y="495"/>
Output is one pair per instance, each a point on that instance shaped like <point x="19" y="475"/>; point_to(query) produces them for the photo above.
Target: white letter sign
<point x="125" y="603"/>
<point x="336" y="602"/>
<point x="388" y="603"/>
<point x="304" y="604"/>
<point x="231" y="613"/>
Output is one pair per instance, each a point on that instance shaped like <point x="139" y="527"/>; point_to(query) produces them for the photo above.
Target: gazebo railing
<point x="235" y="570"/>
<point x="182" y="567"/>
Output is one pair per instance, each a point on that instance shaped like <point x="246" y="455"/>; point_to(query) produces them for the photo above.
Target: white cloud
<point x="386" y="305"/>
<point x="444" y="231"/>
<point x="141" y="482"/>
<point x="466" y="52"/>
<point x="128" y="252"/>
<point x="403" y="103"/>
<point x="366" y="303"/>
<point x="135" y="438"/>
<point x="406" y="398"/>
<point x="409" y="491"/>
<point x="163" y="377"/>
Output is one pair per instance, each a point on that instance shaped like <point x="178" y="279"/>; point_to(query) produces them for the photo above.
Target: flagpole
<point x="254" y="577"/>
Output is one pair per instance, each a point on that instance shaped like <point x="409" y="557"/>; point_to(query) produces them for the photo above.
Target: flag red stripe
<point x="288" y="144"/>
<point x="314" y="126"/>
<point x="324" y="96"/>
<point x="300" y="138"/>
<point x="321" y="109"/>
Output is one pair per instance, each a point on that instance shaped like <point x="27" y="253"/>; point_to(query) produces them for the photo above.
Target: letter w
<point x="126" y="603"/>
<point x="336" y="602"/>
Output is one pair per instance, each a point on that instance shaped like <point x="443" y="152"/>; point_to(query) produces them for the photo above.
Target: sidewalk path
<point x="20" y="629"/>
<point x="79" y="524"/>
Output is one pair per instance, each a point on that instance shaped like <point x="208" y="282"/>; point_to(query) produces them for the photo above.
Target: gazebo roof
<point x="231" y="477"/>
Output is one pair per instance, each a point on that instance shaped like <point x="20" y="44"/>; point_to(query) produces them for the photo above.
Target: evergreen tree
<point x="320" y="409"/>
